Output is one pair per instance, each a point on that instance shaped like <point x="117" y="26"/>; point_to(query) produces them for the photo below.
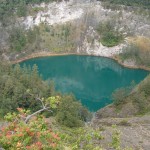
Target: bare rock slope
<point x="134" y="131"/>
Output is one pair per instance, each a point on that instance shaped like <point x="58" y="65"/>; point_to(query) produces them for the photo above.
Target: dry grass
<point x="142" y="42"/>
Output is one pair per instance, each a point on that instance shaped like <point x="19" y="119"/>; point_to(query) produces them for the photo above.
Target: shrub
<point x="34" y="135"/>
<point x="71" y="113"/>
<point x="22" y="9"/>
<point x="134" y="52"/>
<point x="14" y="83"/>
<point x="110" y="39"/>
<point x="85" y="138"/>
<point x="17" y="39"/>
<point x="109" y="35"/>
<point x="116" y="139"/>
<point x="119" y="96"/>
<point x="124" y="123"/>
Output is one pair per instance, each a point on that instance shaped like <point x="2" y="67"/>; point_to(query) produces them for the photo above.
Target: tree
<point x="70" y="112"/>
<point x="110" y="36"/>
<point x="17" y="39"/>
<point x="119" y="96"/>
<point x="14" y="82"/>
<point x="22" y="9"/>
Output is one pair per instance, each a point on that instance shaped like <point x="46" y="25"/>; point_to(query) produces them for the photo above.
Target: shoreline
<point x="128" y="66"/>
<point x="38" y="55"/>
<point x="46" y="54"/>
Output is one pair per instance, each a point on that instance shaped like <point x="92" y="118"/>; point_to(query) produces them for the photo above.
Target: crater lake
<point x="91" y="79"/>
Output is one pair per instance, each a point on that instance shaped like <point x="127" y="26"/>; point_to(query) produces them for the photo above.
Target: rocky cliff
<point x="83" y="17"/>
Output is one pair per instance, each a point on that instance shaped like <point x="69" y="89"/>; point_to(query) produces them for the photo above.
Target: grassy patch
<point x="124" y="122"/>
<point x="110" y="36"/>
<point x="111" y="39"/>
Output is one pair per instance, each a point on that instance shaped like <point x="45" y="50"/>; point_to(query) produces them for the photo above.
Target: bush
<point x="17" y="39"/>
<point x="119" y="96"/>
<point x="139" y="97"/>
<point x="142" y="97"/>
<point x="22" y="9"/>
<point x="34" y="135"/>
<point x="116" y="142"/>
<point x="110" y="39"/>
<point x="109" y="35"/>
<point x="139" y="55"/>
<point x="124" y="123"/>
<point x="141" y="102"/>
<point x="9" y="9"/>
<point x="14" y="83"/>
<point x="71" y="113"/>
<point x="85" y="138"/>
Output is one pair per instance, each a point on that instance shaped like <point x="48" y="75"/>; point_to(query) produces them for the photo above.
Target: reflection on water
<point x="91" y="79"/>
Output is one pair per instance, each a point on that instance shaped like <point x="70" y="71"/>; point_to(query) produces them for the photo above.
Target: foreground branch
<point x="44" y="107"/>
<point x="35" y="113"/>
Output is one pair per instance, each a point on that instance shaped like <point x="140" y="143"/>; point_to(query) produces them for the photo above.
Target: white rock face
<point x="55" y="13"/>
<point x="62" y="12"/>
<point x="90" y="14"/>
<point x="96" y="48"/>
<point x="99" y="50"/>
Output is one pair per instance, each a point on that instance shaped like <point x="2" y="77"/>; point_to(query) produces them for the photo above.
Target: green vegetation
<point x="137" y="54"/>
<point x="109" y="35"/>
<point x="120" y="94"/>
<point x="18" y="39"/>
<point x="34" y="135"/>
<point x="37" y="134"/>
<point x="10" y="8"/>
<point x="21" y="87"/>
<point x="14" y="82"/>
<point x="60" y="38"/>
<point x="24" y="90"/>
<point x="139" y="96"/>
<point x="116" y="139"/>
<point x="124" y="123"/>
<point x="136" y="3"/>
<point x="27" y="129"/>
<point x="110" y="39"/>
<point x="85" y="138"/>
<point x="71" y="113"/>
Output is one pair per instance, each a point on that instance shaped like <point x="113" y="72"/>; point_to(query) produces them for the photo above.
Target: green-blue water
<point x="91" y="79"/>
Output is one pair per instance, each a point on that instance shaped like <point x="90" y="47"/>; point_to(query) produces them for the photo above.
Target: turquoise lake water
<point x="91" y="79"/>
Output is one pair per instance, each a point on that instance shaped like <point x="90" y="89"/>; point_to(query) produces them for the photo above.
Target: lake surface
<point x="91" y="79"/>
